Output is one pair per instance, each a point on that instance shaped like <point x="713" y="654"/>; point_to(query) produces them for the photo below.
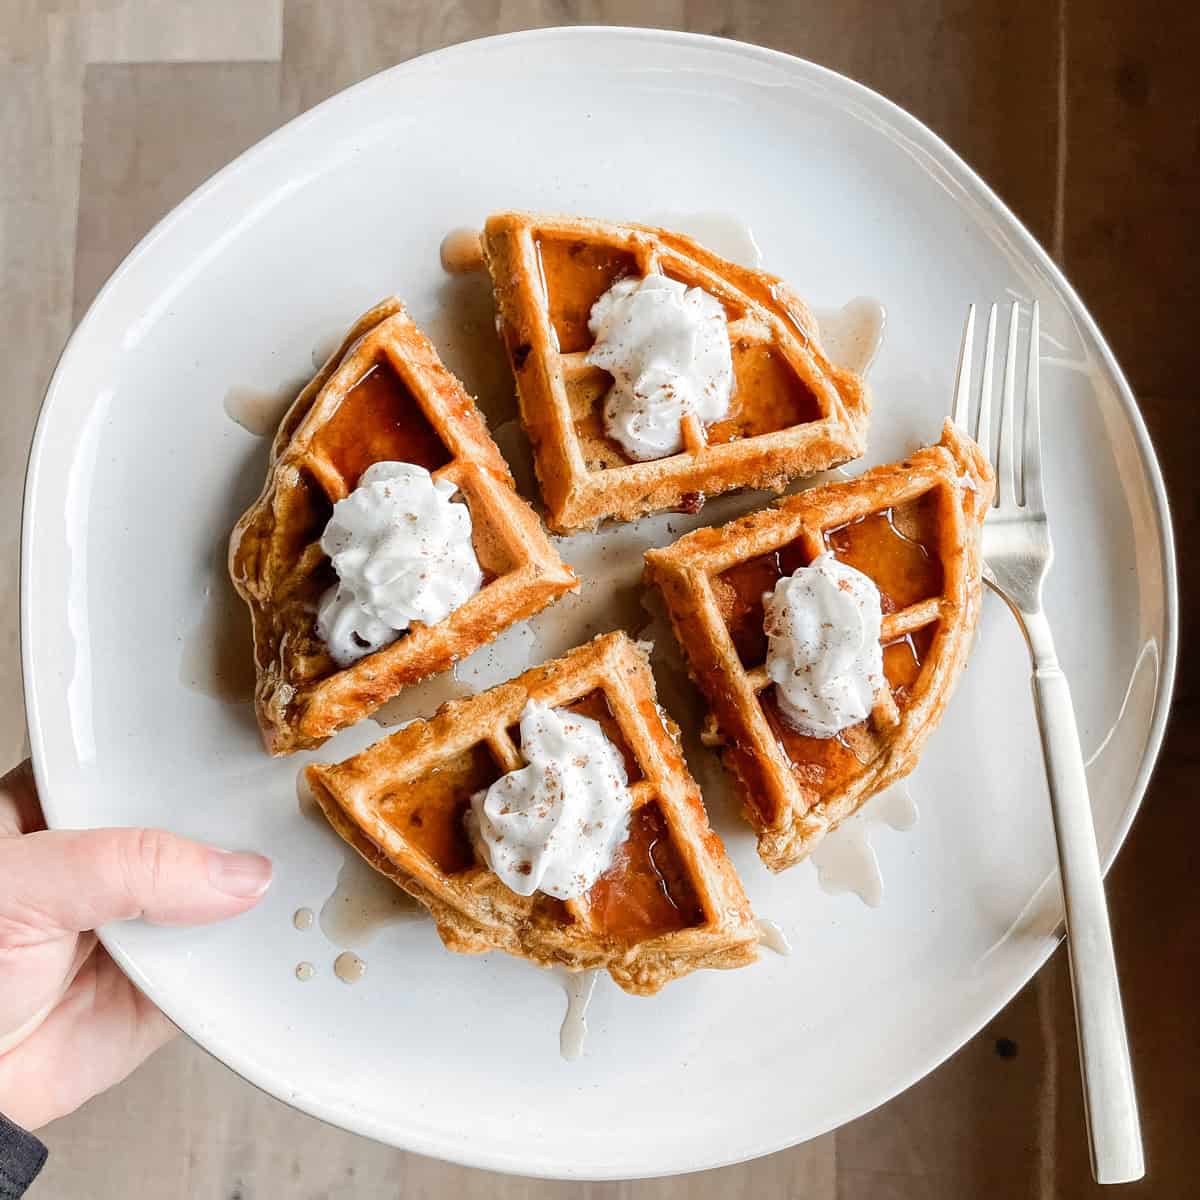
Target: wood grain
<point x="1082" y="114"/>
<point x="136" y="166"/>
<point x="39" y="184"/>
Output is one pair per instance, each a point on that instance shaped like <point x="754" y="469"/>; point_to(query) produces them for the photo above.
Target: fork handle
<point x="1110" y="1102"/>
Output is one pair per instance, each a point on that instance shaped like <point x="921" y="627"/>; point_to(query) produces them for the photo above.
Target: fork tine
<point x="962" y="384"/>
<point x="983" y="425"/>
<point x="1031" y="463"/>
<point x="1006" y="467"/>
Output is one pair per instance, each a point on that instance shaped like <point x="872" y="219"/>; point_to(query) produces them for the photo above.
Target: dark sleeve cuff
<point x="22" y="1156"/>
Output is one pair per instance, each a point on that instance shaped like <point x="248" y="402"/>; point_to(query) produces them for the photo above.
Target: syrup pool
<point x="846" y="860"/>
<point x="579" y="987"/>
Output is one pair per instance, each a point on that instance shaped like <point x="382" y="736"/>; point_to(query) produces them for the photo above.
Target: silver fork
<point x="1017" y="555"/>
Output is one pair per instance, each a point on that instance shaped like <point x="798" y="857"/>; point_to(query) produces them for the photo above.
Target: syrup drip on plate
<point x="579" y="986"/>
<point x="845" y="859"/>
<point x="720" y="232"/>
<point x="258" y="411"/>
<point x="463" y="328"/>
<point x="853" y="334"/>
<point x="348" y="967"/>
<point x="461" y="252"/>
<point x="772" y="936"/>
<point x="363" y="903"/>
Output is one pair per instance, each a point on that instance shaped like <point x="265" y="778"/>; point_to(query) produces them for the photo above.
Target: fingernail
<point x="245" y="876"/>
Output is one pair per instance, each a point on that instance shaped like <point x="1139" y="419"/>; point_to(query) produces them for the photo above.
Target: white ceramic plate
<point x="138" y="473"/>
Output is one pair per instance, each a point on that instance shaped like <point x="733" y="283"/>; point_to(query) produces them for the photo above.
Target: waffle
<point x="670" y="904"/>
<point x="382" y="395"/>
<point x="792" y="413"/>
<point x="914" y="528"/>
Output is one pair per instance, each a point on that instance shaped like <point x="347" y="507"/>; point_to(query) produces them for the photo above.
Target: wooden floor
<point x="1085" y="116"/>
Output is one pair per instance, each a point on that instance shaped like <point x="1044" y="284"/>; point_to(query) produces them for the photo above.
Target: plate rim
<point x="845" y="91"/>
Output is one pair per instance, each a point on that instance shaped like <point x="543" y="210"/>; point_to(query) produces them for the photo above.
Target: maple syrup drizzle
<point x="768" y="395"/>
<point x="647" y="890"/>
<point x="256" y="410"/>
<point x="816" y="762"/>
<point x="879" y="545"/>
<point x="722" y="233"/>
<point x="846" y="860"/>
<point x="890" y="516"/>
<point x="462" y="252"/>
<point x="379" y="420"/>
<point x="348" y="967"/>
<point x="886" y="514"/>
<point x="853" y="334"/>
<point x="739" y="594"/>
<point x="779" y="293"/>
<point x="844" y="741"/>
<point x="772" y="936"/>
<point x="660" y="877"/>
<point x="362" y="903"/>
<point x="821" y="765"/>
<point x="574" y="274"/>
<point x="579" y="987"/>
<point x="428" y="811"/>
<point x="903" y="659"/>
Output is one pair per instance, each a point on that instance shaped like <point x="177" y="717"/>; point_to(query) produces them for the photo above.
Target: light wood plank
<point x="1132" y="242"/>
<point x="39" y="180"/>
<point x="192" y="1129"/>
<point x="981" y="73"/>
<point x="142" y="30"/>
<point x="972" y="1128"/>
<point x="329" y="44"/>
<point x="1132" y="247"/>
<point x="985" y="76"/>
<point x="182" y="31"/>
<point x="137" y="161"/>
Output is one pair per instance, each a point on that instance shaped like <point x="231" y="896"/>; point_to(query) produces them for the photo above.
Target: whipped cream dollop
<point x="555" y="825"/>
<point x="667" y="348"/>
<point x="402" y="550"/>
<point x="823" y="651"/>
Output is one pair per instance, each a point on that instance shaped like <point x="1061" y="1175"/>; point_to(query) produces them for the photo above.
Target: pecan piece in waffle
<point x="670" y="903"/>
<point x="792" y="411"/>
<point x="914" y="528"/>
<point x="383" y="395"/>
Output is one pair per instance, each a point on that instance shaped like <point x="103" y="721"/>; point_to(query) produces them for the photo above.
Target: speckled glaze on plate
<point x="138" y="472"/>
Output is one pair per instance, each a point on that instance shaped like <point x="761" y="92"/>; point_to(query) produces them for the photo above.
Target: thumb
<point x="71" y="880"/>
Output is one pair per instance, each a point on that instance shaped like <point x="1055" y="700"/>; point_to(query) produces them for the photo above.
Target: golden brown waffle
<point x="792" y="413"/>
<point x="383" y="395"/>
<point x="914" y="528"/>
<point x="670" y="904"/>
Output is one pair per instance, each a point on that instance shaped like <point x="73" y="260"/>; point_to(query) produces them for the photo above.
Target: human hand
<point x="71" y="1024"/>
